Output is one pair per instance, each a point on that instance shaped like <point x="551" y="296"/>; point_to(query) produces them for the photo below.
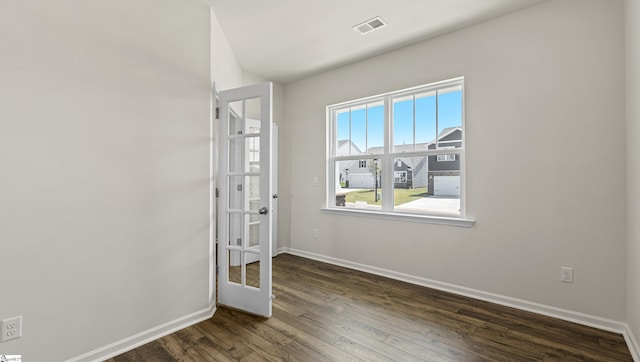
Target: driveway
<point x="439" y="204"/>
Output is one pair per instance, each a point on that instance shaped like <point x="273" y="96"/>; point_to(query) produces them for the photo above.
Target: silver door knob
<point x="263" y="211"/>
<point x="275" y="196"/>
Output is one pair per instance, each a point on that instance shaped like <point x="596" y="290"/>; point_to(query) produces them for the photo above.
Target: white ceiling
<point x="285" y="40"/>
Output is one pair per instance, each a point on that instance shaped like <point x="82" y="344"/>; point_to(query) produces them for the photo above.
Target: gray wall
<point x="104" y="162"/>
<point x="632" y="11"/>
<point x="548" y="82"/>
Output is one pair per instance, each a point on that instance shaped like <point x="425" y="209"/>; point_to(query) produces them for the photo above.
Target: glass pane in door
<point x="253" y="235"/>
<point x="253" y="200"/>
<point x="234" y="267"/>
<point x="234" y="154"/>
<point x="252" y="107"/>
<point x="235" y="125"/>
<point x="252" y="147"/>
<point x="235" y="229"/>
<point x="235" y="187"/>
<point x="253" y="271"/>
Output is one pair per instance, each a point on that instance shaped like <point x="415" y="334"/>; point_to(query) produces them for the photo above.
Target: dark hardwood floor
<point x="328" y="313"/>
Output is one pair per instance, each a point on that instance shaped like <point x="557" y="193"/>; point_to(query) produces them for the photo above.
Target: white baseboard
<point x="632" y="342"/>
<point x="129" y="343"/>
<point x="283" y="250"/>
<point x="564" y="314"/>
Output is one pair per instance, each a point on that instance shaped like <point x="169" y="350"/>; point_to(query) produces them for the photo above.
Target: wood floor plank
<point x="302" y="323"/>
<point x="359" y="351"/>
<point x="245" y="336"/>
<point x="312" y="341"/>
<point x="324" y="312"/>
<point x="225" y="342"/>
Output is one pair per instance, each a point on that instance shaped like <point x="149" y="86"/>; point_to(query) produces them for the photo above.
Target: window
<point x="400" y="153"/>
<point x="399" y="177"/>
<point x="446" y="157"/>
<point x="450" y="157"/>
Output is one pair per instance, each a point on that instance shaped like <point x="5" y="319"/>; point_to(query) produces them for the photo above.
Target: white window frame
<point x="399" y="176"/>
<point x="447" y="156"/>
<point x="387" y="158"/>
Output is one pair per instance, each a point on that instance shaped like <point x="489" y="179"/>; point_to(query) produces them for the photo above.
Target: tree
<point x="376" y="170"/>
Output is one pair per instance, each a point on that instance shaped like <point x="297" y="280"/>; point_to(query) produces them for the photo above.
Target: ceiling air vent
<point x="370" y="25"/>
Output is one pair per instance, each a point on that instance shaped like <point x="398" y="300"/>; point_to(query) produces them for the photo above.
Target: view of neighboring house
<point x="440" y="174"/>
<point x="444" y="170"/>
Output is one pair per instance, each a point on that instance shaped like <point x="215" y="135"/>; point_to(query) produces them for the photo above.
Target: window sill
<point x="427" y="219"/>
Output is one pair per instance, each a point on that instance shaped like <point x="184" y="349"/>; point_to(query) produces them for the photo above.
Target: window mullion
<point x="366" y="128"/>
<point x="387" y="160"/>
<point x="332" y="146"/>
<point x="350" y="125"/>
<point x="437" y="135"/>
<point x="414" y="124"/>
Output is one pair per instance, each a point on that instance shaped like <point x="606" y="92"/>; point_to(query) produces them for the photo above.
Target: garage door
<point x="360" y="181"/>
<point x="446" y="185"/>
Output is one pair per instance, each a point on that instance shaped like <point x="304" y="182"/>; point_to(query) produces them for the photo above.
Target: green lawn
<point x="402" y="196"/>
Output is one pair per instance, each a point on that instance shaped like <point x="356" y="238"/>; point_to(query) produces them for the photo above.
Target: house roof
<point x="344" y="142"/>
<point x="419" y="146"/>
<point x="411" y="161"/>
<point x="447" y="131"/>
<point x="348" y="143"/>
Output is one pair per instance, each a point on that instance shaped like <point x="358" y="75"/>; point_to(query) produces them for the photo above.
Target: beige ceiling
<point x="285" y="40"/>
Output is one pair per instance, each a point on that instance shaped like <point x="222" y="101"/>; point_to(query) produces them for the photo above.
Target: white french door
<point x="245" y="203"/>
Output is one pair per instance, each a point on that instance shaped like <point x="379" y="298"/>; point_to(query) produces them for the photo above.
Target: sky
<point x="367" y="123"/>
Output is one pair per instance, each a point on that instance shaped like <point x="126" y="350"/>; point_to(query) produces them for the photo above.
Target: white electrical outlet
<point x="11" y="328"/>
<point x="316" y="233"/>
<point x="566" y="274"/>
<point x="315" y="180"/>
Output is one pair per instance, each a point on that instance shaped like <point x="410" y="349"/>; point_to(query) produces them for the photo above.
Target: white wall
<point x="225" y="69"/>
<point x="545" y="151"/>
<point x="104" y="164"/>
<point x="284" y="177"/>
<point x="632" y="11"/>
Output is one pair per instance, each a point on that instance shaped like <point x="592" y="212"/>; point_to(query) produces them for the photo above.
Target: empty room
<point x="363" y="180"/>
